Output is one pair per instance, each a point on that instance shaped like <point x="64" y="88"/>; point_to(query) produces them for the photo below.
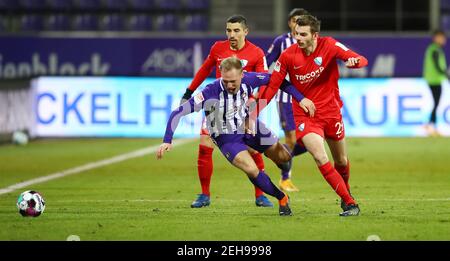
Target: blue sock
<point x="265" y="184"/>
<point x="298" y="150"/>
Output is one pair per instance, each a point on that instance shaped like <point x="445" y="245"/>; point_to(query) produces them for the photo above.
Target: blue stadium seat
<point x="32" y="5"/>
<point x="113" y="22"/>
<point x="197" y="4"/>
<point x="445" y="5"/>
<point x="445" y="22"/>
<point x="87" y="5"/>
<point x="196" y="23"/>
<point x="168" y="22"/>
<point x="58" y="22"/>
<point x="32" y="23"/>
<point x="9" y="5"/>
<point x="140" y="23"/>
<point x="142" y="5"/>
<point x="86" y="22"/>
<point x="59" y="5"/>
<point x="115" y="5"/>
<point x="3" y="24"/>
<point x="169" y="4"/>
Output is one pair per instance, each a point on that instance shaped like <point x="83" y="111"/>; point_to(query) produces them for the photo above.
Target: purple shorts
<point x="231" y="144"/>
<point x="286" y="116"/>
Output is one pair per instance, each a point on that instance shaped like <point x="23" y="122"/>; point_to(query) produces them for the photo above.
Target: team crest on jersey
<point x="244" y="63"/>
<point x="301" y="127"/>
<point x="318" y="61"/>
<point x="277" y="66"/>
<point x="199" y="98"/>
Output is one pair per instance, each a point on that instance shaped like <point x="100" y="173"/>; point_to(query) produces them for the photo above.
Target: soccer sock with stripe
<point x="344" y="171"/>
<point x="336" y="182"/>
<point x="263" y="181"/>
<point x="205" y="167"/>
<point x="257" y="157"/>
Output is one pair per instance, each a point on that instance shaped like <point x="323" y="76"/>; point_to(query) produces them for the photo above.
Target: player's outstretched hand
<point x="308" y="106"/>
<point x="352" y="62"/>
<point x="162" y="149"/>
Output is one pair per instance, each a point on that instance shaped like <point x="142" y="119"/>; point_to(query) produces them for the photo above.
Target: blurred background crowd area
<point x="208" y="16"/>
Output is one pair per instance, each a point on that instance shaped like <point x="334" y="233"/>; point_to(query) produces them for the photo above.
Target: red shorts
<point x="204" y="130"/>
<point x="332" y="128"/>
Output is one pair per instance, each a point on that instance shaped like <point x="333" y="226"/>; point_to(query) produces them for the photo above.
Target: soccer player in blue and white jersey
<point x="284" y="99"/>
<point x="225" y="102"/>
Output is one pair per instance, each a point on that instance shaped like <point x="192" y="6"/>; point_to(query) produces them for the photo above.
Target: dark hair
<point x="438" y="32"/>
<point x="238" y="19"/>
<point x="296" y="12"/>
<point x="310" y="20"/>
<point x="230" y="63"/>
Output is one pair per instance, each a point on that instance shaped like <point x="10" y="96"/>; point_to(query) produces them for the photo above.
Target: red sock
<point x="336" y="182"/>
<point x="344" y="171"/>
<point x="205" y="167"/>
<point x="257" y="157"/>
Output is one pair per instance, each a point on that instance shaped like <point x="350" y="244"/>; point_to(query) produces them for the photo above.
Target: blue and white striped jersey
<point x="280" y="43"/>
<point x="225" y="112"/>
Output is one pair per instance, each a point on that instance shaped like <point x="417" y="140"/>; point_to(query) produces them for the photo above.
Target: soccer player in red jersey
<point x="312" y="68"/>
<point x="253" y="60"/>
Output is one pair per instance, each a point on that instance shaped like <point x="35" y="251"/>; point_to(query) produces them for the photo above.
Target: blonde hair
<point x="230" y="63"/>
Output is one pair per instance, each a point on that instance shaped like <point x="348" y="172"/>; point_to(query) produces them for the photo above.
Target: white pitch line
<point x="88" y="166"/>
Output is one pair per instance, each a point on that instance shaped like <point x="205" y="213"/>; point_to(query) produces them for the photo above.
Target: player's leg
<point x="244" y="161"/>
<point x="288" y="126"/>
<point x="204" y="168"/>
<point x="314" y="143"/>
<point x="436" y="91"/>
<point x="341" y="163"/>
<point x="260" y="199"/>
<point x="338" y="150"/>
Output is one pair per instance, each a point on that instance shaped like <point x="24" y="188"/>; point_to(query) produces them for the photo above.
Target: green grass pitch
<point x="401" y="184"/>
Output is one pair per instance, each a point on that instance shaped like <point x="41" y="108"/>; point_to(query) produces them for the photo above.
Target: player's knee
<point x="341" y="161"/>
<point x="285" y="156"/>
<point x="320" y="158"/>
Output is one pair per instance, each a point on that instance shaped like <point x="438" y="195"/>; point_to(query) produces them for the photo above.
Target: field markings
<point x="89" y="166"/>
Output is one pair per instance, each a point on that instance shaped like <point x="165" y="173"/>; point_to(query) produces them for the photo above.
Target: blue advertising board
<point x="140" y="107"/>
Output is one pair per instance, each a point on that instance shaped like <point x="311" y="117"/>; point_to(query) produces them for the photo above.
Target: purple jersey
<point x="280" y="43"/>
<point x="225" y="112"/>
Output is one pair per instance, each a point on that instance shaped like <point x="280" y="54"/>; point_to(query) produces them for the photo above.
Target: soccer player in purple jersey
<point x="225" y="102"/>
<point x="284" y="99"/>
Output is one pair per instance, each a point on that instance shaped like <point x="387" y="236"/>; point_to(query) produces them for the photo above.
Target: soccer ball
<point x="20" y="138"/>
<point x="30" y="204"/>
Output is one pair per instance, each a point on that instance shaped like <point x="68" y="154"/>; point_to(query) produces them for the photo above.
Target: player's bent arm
<point x="174" y="119"/>
<point x="356" y="62"/>
<point x="276" y="79"/>
<point x="350" y="57"/>
<point x="290" y="89"/>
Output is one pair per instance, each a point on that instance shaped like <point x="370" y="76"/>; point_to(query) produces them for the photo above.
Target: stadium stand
<point x="58" y="22"/>
<point x="140" y="23"/>
<point x="104" y="15"/>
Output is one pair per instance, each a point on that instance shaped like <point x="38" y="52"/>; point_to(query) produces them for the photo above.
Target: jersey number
<point x="340" y="128"/>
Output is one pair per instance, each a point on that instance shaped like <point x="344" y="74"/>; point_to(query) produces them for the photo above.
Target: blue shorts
<point x="286" y="116"/>
<point x="231" y="144"/>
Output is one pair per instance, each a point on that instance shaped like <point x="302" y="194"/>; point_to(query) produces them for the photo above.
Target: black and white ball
<point x="30" y="204"/>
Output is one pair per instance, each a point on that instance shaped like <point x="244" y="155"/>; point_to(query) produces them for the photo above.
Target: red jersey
<point x="315" y="75"/>
<point x="252" y="57"/>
